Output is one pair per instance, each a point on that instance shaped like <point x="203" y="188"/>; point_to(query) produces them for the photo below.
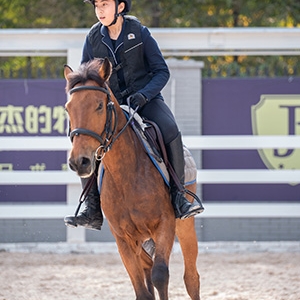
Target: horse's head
<point x="91" y="114"/>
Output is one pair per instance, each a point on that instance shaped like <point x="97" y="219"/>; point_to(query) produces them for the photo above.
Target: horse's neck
<point x="126" y="152"/>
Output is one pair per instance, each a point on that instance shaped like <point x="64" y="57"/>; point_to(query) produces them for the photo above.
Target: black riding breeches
<point x="158" y="111"/>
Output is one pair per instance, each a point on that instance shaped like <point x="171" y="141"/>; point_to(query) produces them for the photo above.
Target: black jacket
<point x="137" y="61"/>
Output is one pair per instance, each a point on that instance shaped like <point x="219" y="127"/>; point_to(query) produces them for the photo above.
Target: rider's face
<point x="106" y="9"/>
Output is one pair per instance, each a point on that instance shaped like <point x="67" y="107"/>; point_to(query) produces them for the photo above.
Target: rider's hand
<point x="137" y="100"/>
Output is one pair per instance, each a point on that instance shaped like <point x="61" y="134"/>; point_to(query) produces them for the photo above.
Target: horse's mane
<point x="86" y="71"/>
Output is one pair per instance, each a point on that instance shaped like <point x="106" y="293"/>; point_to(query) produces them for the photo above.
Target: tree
<point x="46" y="14"/>
<point x="219" y="13"/>
<point x="161" y="13"/>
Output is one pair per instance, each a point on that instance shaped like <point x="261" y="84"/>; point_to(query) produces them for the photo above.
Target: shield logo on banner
<point x="277" y="115"/>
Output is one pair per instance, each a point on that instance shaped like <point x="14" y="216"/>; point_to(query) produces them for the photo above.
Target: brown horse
<point x="134" y="197"/>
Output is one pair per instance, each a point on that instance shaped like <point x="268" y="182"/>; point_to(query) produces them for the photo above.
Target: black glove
<point x="137" y="100"/>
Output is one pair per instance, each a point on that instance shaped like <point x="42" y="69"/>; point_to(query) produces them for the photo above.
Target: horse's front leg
<point x="164" y="239"/>
<point x="135" y="270"/>
<point x="147" y="264"/>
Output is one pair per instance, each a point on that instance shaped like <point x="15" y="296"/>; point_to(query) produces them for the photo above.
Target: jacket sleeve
<point x="155" y="63"/>
<point x="87" y="51"/>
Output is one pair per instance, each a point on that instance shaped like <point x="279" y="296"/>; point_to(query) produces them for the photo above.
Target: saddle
<point x="151" y="138"/>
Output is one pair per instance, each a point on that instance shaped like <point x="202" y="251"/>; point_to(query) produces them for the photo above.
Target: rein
<point x="107" y="141"/>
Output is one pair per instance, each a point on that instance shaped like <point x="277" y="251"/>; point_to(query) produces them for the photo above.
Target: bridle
<point x="106" y="138"/>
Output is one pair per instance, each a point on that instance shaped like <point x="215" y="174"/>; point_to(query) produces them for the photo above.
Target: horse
<point x="134" y="197"/>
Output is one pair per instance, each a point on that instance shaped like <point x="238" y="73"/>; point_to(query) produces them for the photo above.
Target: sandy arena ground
<point x="226" y="276"/>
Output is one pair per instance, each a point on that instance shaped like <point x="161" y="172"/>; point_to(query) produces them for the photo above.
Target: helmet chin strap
<point x="115" y="20"/>
<point x="116" y="15"/>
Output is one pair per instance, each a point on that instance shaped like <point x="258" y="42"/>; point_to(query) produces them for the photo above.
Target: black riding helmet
<point x="126" y="9"/>
<point x="127" y="4"/>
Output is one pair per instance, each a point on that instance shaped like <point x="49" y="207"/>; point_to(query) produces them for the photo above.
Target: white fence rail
<point x="192" y="142"/>
<point x="172" y="41"/>
<point x="203" y="176"/>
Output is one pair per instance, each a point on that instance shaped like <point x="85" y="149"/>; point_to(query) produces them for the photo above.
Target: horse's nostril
<point x="72" y="165"/>
<point x="81" y="165"/>
<point x="85" y="162"/>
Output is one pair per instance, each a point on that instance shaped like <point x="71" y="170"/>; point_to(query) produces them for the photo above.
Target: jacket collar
<point x="106" y="39"/>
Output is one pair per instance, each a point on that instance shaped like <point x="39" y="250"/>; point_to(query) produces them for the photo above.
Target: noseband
<point x="106" y="137"/>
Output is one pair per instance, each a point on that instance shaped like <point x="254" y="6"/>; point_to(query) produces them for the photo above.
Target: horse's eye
<point x="100" y="106"/>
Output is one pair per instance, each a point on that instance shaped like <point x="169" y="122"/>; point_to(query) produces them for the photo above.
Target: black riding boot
<point x="182" y="207"/>
<point x="91" y="217"/>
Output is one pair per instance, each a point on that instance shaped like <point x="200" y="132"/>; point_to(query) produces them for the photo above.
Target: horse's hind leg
<point x="189" y="246"/>
<point x="186" y="234"/>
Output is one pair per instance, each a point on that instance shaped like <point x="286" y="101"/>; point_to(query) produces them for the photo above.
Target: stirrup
<point x="187" y="209"/>
<point x="195" y="197"/>
<point x="194" y="210"/>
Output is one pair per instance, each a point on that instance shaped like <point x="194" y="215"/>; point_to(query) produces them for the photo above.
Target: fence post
<point x="183" y="94"/>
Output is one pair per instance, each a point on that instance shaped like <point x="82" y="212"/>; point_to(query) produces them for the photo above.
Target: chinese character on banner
<point x="30" y="109"/>
<point x="32" y="119"/>
<point x="6" y="167"/>
<point x="11" y="120"/>
<point x="59" y="115"/>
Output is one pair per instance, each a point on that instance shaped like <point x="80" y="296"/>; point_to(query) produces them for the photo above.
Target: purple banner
<point x="228" y="109"/>
<point x="32" y="108"/>
<point x="36" y="108"/>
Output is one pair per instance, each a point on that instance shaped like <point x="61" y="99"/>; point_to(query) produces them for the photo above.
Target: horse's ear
<point x="105" y="69"/>
<point x="67" y="71"/>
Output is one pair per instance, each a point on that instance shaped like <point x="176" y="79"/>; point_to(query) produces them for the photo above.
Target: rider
<point x="140" y="73"/>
